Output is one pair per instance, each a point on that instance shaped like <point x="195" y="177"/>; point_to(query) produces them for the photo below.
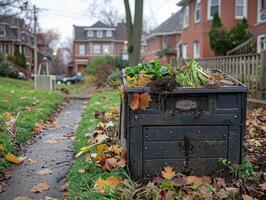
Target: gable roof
<point x="99" y="24"/>
<point x="172" y="25"/>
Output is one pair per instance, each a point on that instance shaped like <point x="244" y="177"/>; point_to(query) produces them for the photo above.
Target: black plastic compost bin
<point x="188" y="129"/>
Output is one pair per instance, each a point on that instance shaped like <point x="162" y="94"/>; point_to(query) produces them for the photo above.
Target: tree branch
<point x="128" y="18"/>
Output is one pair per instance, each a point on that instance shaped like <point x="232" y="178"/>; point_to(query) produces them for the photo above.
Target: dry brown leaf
<point x="64" y="187"/>
<point x="50" y="198"/>
<point x="144" y="101"/>
<point x="168" y="172"/>
<point x="121" y="163"/>
<point x="194" y="180"/>
<point x="101" y="147"/>
<point x="134" y="105"/>
<point x="247" y="197"/>
<point x="110" y="182"/>
<point x="14" y="159"/>
<point x="31" y="161"/>
<point x="40" y="187"/>
<point x="82" y="171"/>
<point x="263" y="186"/>
<point x="7" y="115"/>
<point x="52" y="141"/>
<point x="22" y="198"/>
<point x="1" y="147"/>
<point x="44" y="171"/>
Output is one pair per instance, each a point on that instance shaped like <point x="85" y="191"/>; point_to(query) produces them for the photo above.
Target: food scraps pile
<point x="155" y="75"/>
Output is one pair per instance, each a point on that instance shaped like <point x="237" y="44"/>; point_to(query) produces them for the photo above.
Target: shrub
<point x="102" y="73"/>
<point x="90" y="80"/>
<point x="6" y="69"/>
<point x="20" y="58"/>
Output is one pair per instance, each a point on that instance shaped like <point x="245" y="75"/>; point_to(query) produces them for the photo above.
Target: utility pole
<point x="35" y="46"/>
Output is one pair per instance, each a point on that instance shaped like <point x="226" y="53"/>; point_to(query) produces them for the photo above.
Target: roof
<point x="119" y="32"/>
<point x="182" y="2"/>
<point x="172" y="25"/>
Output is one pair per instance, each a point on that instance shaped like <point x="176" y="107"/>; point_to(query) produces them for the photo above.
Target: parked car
<point x="59" y="79"/>
<point x="74" y="79"/>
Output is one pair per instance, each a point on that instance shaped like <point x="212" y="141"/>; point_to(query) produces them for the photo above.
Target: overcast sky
<point x="62" y="14"/>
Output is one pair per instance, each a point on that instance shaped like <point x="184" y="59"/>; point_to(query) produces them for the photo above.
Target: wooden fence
<point x="249" y="69"/>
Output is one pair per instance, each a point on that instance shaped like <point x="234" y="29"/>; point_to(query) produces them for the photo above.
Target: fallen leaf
<point x="44" y="171"/>
<point x="144" y="101"/>
<point x="101" y="137"/>
<point x="1" y="147"/>
<point x="134" y="105"/>
<point x="121" y="163"/>
<point x="168" y="172"/>
<point x="247" y="197"/>
<point x="31" y="161"/>
<point x="14" y="159"/>
<point x="194" y="180"/>
<point x="52" y="141"/>
<point x="233" y="191"/>
<point x="111" y="182"/>
<point x="7" y="115"/>
<point x="40" y="187"/>
<point x="263" y="186"/>
<point x="116" y="149"/>
<point x="64" y="187"/>
<point x="82" y="171"/>
<point x="22" y="198"/>
<point x="50" y="198"/>
<point x="101" y="147"/>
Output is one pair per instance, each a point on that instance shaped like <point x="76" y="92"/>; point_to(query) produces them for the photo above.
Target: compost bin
<point x="189" y="129"/>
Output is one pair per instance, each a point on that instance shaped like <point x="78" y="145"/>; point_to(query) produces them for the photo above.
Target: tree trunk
<point x="134" y="31"/>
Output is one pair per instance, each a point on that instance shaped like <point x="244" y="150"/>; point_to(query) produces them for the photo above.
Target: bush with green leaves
<point x="20" y="58"/>
<point x="7" y="70"/>
<point x="222" y="40"/>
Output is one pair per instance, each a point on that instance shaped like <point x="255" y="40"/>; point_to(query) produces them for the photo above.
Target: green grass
<point x="81" y="184"/>
<point x="18" y="96"/>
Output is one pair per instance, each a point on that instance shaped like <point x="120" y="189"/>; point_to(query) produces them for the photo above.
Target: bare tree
<point x="12" y="7"/>
<point x="51" y="38"/>
<point x="105" y="11"/>
<point x="134" y="31"/>
<point x="67" y="49"/>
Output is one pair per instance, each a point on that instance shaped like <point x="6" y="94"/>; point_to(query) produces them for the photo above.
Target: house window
<point x="186" y="17"/>
<point x="108" y="33"/>
<point x="99" y="34"/>
<point x="184" y="51"/>
<point x="90" y="33"/>
<point x="213" y="8"/>
<point x="241" y="9"/>
<point x="96" y="49"/>
<point x="106" y="49"/>
<point x="197" y="11"/>
<point x="2" y="30"/>
<point x="82" y="49"/>
<point x="196" y="49"/>
<point x="261" y="43"/>
<point x="164" y="41"/>
<point x="7" y="48"/>
<point x="261" y="11"/>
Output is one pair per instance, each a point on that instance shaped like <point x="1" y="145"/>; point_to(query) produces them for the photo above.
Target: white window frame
<point x="209" y="9"/>
<point x="99" y="34"/>
<point x="184" y="52"/>
<point x="258" y="42"/>
<point x="109" y="34"/>
<point x="197" y="8"/>
<point x="245" y="9"/>
<point x="107" y="46"/>
<point x="3" y="27"/>
<point x="185" y="16"/>
<point x="82" y="51"/>
<point x="98" y="52"/>
<point x="90" y="33"/>
<point x="259" y="12"/>
<point x="196" y="52"/>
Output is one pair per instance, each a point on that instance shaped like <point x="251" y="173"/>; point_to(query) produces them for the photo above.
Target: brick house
<point x="197" y="20"/>
<point x="161" y="42"/>
<point x="14" y="33"/>
<point x="97" y="40"/>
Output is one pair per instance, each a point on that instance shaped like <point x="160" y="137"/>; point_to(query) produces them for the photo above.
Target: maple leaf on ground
<point x="194" y="180"/>
<point x="40" y="187"/>
<point x="168" y="172"/>
<point x="111" y="182"/>
<point x="144" y="101"/>
<point x="263" y="186"/>
<point x="247" y="197"/>
<point x="134" y="105"/>
<point x="44" y="171"/>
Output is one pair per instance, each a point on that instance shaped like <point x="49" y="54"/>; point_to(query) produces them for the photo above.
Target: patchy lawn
<point x="81" y="184"/>
<point x="18" y="96"/>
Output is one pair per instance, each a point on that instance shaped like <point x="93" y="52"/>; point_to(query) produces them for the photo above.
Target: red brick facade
<point x="199" y="32"/>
